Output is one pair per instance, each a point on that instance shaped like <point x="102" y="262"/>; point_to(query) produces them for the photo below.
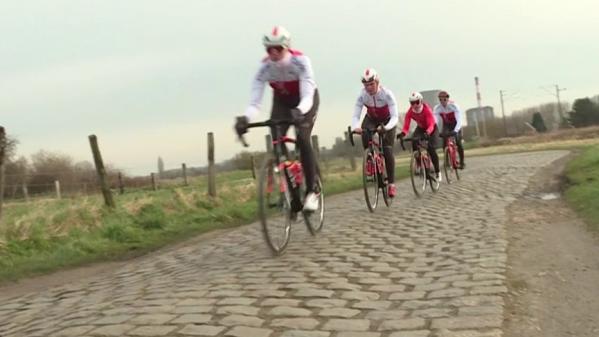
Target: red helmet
<point x="443" y="93"/>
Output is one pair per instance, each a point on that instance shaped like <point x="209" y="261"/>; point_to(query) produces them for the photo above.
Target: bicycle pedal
<point x="293" y="216"/>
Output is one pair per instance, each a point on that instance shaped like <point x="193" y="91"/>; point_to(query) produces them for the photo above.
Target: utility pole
<point x="503" y="113"/>
<point x="559" y="104"/>
<point x="558" y="115"/>
<point x="480" y="108"/>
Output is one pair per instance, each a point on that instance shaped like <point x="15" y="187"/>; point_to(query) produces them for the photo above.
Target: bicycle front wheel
<point x="274" y="206"/>
<point x="454" y="161"/>
<point x="447" y="165"/>
<point x="417" y="174"/>
<point x="370" y="180"/>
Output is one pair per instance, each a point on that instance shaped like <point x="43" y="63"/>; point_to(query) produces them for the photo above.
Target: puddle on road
<point x="549" y="196"/>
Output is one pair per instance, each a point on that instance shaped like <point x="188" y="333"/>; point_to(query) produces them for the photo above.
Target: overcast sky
<point x="152" y="78"/>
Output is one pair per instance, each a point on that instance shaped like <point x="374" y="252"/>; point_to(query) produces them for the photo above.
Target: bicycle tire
<point x="383" y="184"/>
<point x="315" y="224"/>
<point x="455" y="165"/>
<point x="418" y="182"/>
<point x="270" y="197"/>
<point x="447" y="165"/>
<point x="370" y="182"/>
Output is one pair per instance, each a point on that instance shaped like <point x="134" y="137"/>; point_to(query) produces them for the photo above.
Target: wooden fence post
<point x="25" y="192"/>
<point x="352" y="159"/>
<point x="211" y="172"/>
<point x="268" y="138"/>
<point x="253" y="166"/>
<point x="184" y="171"/>
<point x="93" y="141"/>
<point x="2" y="154"/>
<point x="57" y="188"/>
<point x="153" y="177"/>
<point x="121" y="185"/>
<point x="316" y="147"/>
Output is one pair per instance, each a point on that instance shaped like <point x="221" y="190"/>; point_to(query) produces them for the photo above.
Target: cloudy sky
<point x="152" y="78"/>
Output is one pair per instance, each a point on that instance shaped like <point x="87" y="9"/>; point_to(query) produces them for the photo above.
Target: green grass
<point x="582" y="192"/>
<point x="47" y="235"/>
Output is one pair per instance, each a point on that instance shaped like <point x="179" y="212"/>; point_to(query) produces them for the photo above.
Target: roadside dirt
<point x="553" y="265"/>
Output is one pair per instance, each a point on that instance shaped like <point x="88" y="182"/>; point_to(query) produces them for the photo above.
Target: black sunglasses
<point x="277" y="48"/>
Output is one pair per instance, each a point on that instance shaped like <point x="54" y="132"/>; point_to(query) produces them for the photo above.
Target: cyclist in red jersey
<point x="426" y="128"/>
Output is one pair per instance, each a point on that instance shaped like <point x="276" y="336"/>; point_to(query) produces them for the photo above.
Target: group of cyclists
<point x="295" y="97"/>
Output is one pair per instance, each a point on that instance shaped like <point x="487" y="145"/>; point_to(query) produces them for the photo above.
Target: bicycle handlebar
<point x="408" y="139"/>
<point x="269" y="122"/>
<point x="350" y="133"/>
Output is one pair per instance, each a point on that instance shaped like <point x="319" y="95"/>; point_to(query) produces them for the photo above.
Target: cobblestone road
<point x="426" y="267"/>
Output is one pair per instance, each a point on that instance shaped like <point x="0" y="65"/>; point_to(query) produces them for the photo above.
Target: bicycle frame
<point x="451" y="145"/>
<point x="292" y="179"/>
<point x="375" y="145"/>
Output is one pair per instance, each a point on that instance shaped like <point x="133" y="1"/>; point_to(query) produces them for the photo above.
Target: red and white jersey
<point x="379" y="107"/>
<point x="290" y="77"/>
<point x="450" y="115"/>
<point x="424" y="119"/>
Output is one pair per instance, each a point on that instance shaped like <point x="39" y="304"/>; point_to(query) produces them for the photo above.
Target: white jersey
<point x="380" y="107"/>
<point x="450" y="115"/>
<point x="291" y="77"/>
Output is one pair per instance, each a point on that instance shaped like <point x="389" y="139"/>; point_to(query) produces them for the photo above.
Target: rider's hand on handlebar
<point x="401" y="135"/>
<point x="297" y="116"/>
<point x="380" y="129"/>
<point x="241" y="125"/>
<point x="358" y="131"/>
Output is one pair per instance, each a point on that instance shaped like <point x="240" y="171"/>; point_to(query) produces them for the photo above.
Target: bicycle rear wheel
<point x="315" y="219"/>
<point x="417" y="174"/>
<point x="370" y="180"/>
<point x="274" y="199"/>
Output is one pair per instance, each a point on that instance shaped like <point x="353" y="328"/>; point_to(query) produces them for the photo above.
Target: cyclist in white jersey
<point x="295" y="97"/>
<point x="450" y="114"/>
<point x="381" y="113"/>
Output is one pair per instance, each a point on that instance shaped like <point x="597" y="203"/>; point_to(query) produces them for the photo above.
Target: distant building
<point x="431" y="97"/>
<point x="486" y="113"/>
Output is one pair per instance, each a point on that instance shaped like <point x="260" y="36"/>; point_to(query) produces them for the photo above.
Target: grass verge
<point x="582" y="189"/>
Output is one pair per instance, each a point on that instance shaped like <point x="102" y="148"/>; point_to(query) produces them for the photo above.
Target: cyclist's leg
<point x="304" y="144"/>
<point x="280" y="111"/>
<point x="388" y="141"/>
<point x="367" y="124"/>
<point x="446" y="130"/>
<point x="458" y="140"/>
<point x="432" y="152"/>
<point x="418" y="134"/>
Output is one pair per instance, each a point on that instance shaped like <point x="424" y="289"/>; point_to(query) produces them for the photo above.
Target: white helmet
<point x="370" y="75"/>
<point x="416" y="96"/>
<point x="279" y="36"/>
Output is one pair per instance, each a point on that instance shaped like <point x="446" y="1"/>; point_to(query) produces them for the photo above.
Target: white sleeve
<point x="437" y="114"/>
<point x="307" y="85"/>
<point x="394" y="115"/>
<point x="355" y="123"/>
<point x="458" y="118"/>
<point x="256" y="93"/>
